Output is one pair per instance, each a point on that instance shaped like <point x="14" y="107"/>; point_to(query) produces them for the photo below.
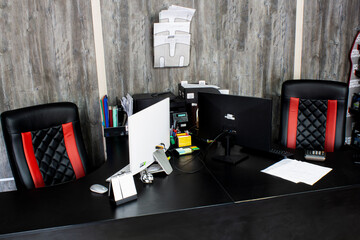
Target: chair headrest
<point x="315" y="89"/>
<point x="39" y="117"/>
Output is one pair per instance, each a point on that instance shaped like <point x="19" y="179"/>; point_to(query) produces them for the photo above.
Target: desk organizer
<point x="115" y="131"/>
<point x="172" y="37"/>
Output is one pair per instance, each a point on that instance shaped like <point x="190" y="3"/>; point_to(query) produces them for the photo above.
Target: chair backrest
<point x="44" y="144"/>
<point x="313" y="114"/>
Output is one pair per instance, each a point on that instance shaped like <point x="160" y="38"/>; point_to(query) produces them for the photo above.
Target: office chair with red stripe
<point x="313" y="114"/>
<point x="44" y="144"/>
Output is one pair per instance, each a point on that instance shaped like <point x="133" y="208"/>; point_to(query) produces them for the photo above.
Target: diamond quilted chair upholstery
<point x="44" y="144"/>
<point x="313" y="114"/>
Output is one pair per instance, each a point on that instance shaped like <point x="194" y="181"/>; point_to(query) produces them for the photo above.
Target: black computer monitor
<point x="244" y="120"/>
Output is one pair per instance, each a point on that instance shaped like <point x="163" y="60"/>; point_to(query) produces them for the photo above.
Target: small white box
<point x="122" y="188"/>
<point x="127" y="185"/>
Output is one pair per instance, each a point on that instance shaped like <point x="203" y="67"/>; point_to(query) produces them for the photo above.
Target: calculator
<point x="315" y="155"/>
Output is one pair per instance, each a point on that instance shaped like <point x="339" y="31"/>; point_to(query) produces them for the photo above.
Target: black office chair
<point x="313" y="114"/>
<point x="44" y="144"/>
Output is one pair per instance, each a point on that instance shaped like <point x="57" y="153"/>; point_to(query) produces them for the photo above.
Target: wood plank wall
<point x="47" y="55"/>
<point x="47" y="51"/>
<point x="244" y="46"/>
<point x="330" y="28"/>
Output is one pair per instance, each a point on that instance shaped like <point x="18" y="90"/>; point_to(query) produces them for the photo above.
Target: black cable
<point x="215" y="139"/>
<point x="198" y="156"/>
<point x="186" y="163"/>
<point x="209" y="171"/>
<point x="192" y="128"/>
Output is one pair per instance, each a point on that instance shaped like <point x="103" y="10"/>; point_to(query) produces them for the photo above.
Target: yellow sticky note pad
<point x="181" y="134"/>
<point x="184" y="141"/>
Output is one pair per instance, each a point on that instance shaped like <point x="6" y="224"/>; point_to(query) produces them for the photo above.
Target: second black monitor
<point x="249" y="117"/>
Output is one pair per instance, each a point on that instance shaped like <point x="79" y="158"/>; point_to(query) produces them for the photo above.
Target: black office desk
<point x="183" y="206"/>
<point x="245" y="180"/>
<point x="328" y="214"/>
<point x="73" y="203"/>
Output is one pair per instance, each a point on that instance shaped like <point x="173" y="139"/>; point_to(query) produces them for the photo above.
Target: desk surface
<point x="74" y="203"/>
<point x="328" y="214"/>
<point x="213" y="196"/>
<point x="244" y="181"/>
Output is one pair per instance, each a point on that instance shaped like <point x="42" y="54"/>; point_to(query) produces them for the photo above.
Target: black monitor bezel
<point x="253" y="131"/>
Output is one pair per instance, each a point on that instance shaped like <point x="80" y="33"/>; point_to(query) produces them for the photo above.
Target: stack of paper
<point x="172" y="37"/>
<point x="297" y="171"/>
<point x="127" y="104"/>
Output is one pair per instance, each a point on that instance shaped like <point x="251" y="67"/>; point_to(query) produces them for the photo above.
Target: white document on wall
<point x="172" y="28"/>
<point x="297" y="171"/>
<point x="176" y="7"/>
<point x="172" y="37"/>
<point x="172" y="51"/>
<point x="176" y="14"/>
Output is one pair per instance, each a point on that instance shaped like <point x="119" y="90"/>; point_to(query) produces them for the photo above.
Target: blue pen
<point x="106" y="110"/>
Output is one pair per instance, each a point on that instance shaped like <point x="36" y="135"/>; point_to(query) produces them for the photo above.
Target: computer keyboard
<point x="121" y="171"/>
<point x="281" y="152"/>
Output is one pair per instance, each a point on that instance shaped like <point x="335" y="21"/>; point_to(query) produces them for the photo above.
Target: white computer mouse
<point x="97" y="188"/>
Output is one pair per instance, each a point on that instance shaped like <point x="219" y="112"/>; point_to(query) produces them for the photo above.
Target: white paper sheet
<point x="297" y="171"/>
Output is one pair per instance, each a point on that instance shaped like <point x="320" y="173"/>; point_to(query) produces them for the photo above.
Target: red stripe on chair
<point x="72" y="150"/>
<point x="330" y="126"/>
<point x="31" y="160"/>
<point x="292" y="122"/>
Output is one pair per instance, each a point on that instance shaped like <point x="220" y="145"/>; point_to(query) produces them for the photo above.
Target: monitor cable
<point x="197" y="156"/>
<point x="202" y="160"/>
<point x="188" y="161"/>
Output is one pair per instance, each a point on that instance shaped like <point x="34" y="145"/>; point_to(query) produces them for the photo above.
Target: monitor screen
<point x="248" y="117"/>
<point x="147" y="129"/>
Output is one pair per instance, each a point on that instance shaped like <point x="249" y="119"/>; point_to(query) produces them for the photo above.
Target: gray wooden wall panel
<point x="47" y="55"/>
<point x="244" y="46"/>
<point x="329" y="31"/>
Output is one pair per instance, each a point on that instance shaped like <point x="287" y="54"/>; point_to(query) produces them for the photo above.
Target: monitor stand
<point x="162" y="160"/>
<point x="232" y="159"/>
